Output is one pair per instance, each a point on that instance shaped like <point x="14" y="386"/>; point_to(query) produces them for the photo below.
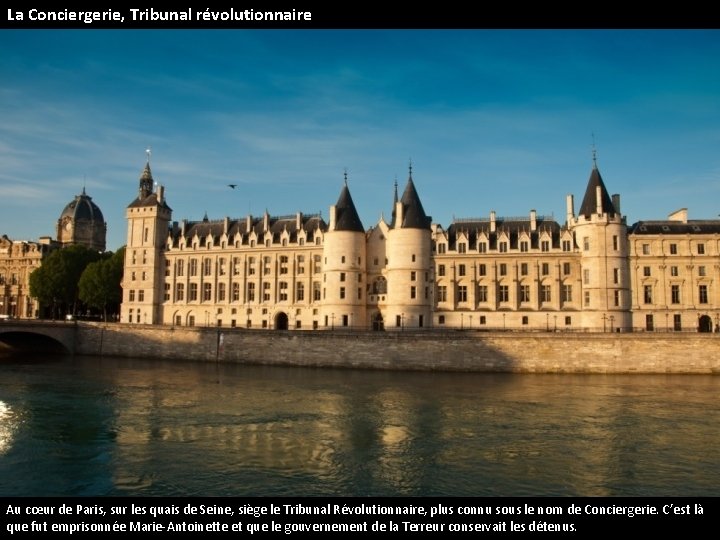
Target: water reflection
<point x="107" y="427"/>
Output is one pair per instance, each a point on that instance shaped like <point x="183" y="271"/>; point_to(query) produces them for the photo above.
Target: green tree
<point x="55" y="283"/>
<point x="99" y="285"/>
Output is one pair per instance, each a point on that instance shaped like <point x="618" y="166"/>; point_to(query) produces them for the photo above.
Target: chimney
<point x="248" y="224"/>
<point x="533" y="220"/>
<point x="333" y="216"/>
<point x="492" y="221"/>
<point x="298" y="221"/>
<point x="679" y="215"/>
<point x="570" y="208"/>
<point x="226" y="225"/>
<point x="598" y="200"/>
<point x="616" y="202"/>
<point x="266" y="221"/>
<point x="160" y="193"/>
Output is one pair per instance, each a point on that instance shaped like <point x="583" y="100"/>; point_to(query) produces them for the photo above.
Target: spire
<point x="594" y="152"/>
<point x="413" y="215"/>
<point x="346" y="216"/>
<point x="146" y="182"/>
<point x="590" y="204"/>
<point x="395" y="201"/>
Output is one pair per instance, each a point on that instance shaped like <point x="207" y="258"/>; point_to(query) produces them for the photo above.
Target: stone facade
<point x="18" y="259"/>
<point x="529" y="273"/>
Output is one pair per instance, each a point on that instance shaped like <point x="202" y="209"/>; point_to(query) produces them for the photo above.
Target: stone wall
<point x="448" y="351"/>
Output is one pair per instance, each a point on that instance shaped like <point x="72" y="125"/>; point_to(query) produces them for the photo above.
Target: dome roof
<point x="83" y="208"/>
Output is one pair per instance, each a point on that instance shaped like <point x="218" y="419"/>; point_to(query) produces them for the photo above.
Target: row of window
<point x="237" y="243"/>
<point x="503" y="246"/>
<point x="502" y="268"/>
<point x="702" y="271"/>
<point x="675" y="294"/>
<point x="503" y="293"/>
<point x="525" y="320"/>
<point x="699" y="249"/>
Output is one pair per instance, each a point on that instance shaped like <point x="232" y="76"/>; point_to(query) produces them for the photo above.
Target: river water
<point x="91" y="426"/>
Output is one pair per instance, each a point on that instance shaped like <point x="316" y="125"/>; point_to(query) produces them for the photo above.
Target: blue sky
<point x="491" y="119"/>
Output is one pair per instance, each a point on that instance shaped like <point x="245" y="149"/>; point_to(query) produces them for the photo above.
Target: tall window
<point x="207" y="292"/>
<point x="545" y="269"/>
<point x="567" y="293"/>
<point x="482" y="293"/>
<point x="266" y="292"/>
<point x="482" y="269"/>
<point x="207" y="267"/>
<point x="503" y="246"/>
<point x="283" y="264"/>
<point x="566" y="269"/>
<point x="179" y="292"/>
<point x="616" y="275"/>
<point x="301" y="264"/>
<point x="586" y="243"/>
<point x="221" y="292"/>
<point x="482" y="247"/>
<point x="546" y="293"/>
<point x="461" y="270"/>
<point x="503" y="269"/>
<point x="251" y="266"/>
<point x="235" y="292"/>
<point x="586" y="276"/>
<point x="545" y="245"/>
<point x="503" y="293"/>
<point x="316" y="291"/>
<point x="413" y="292"/>
<point x="523" y="269"/>
<point x="701" y="249"/>
<point x="646" y="271"/>
<point x="442" y="293"/>
<point x="441" y="248"/>
<point x="193" y="267"/>
<point x="300" y="294"/>
<point x="251" y="292"/>
<point x="266" y="265"/>
<point x="441" y="270"/>
<point x="180" y="267"/>
<point x="221" y="266"/>
<point x="615" y="242"/>
<point x="675" y="294"/>
<point x="524" y="246"/>
<point x="524" y="293"/>
<point x="462" y="247"/>
<point x="283" y="291"/>
<point x="193" y="292"/>
<point x="342" y="293"/>
<point x="674" y="271"/>
<point x="647" y="294"/>
<point x="566" y="245"/>
<point x="703" y="294"/>
<point x="646" y="249"/>
<point x="462" y="293"/>
<point x="673" y="249"/>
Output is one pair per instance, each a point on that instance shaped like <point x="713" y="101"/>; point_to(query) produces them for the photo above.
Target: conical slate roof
<point x="346" y="216"/>
<point x="589" y="203"/>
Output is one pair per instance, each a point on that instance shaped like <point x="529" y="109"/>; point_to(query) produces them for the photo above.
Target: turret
<point x="344" y="266"/>
<point x="601" y="234"/>
<point x="409" y="268"/>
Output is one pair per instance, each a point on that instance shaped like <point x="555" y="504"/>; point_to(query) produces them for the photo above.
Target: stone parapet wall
<point x="511" y="352"/>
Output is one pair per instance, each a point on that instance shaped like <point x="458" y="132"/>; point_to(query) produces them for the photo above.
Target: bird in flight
<point x="233" y="186"/>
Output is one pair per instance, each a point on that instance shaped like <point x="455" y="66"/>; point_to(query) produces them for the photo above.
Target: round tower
<point x="409" y="264"/>
<point x="344" y="267"/>
<point x="601" y="236"/>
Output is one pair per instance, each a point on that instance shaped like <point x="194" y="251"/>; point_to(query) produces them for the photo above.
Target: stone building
<point x="298" y="272"/>
<point x="81" y="222"/>
<point x="18" y="258"/>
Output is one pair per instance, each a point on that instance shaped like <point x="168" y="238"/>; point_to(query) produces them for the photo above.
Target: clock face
<point x="68" y="226"/>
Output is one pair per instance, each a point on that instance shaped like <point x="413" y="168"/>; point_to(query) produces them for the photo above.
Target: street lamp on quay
<point x="503" y="321"/>
<point x="332" y="326"/>
<point x="555" y="317"/>
<point x="604" y="318"/>
<point x="402" y="322"/>
<point x="547" y="322"/>
<point x="461" y="320"/>
<point x="612" y="318"/>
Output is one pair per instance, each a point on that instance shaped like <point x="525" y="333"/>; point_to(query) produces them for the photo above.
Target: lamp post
<point x="402" y="322"/>
<point x="332" y="324"/>
<point x="555" y="316"/>
<point x="503" y="321"/>
<point x="667" y="328"/>
<point x="470" y="322"/>
<point x="547" y="322"/>
<point x="461" y="320"/>
<point x="612" y="318"/>
<point x="604" y="318"/>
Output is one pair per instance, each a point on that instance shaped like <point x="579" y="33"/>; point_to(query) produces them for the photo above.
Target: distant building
<point x="81" y="222"/>
<point x="18" y="259"/>
<point x="298" y="272"/>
